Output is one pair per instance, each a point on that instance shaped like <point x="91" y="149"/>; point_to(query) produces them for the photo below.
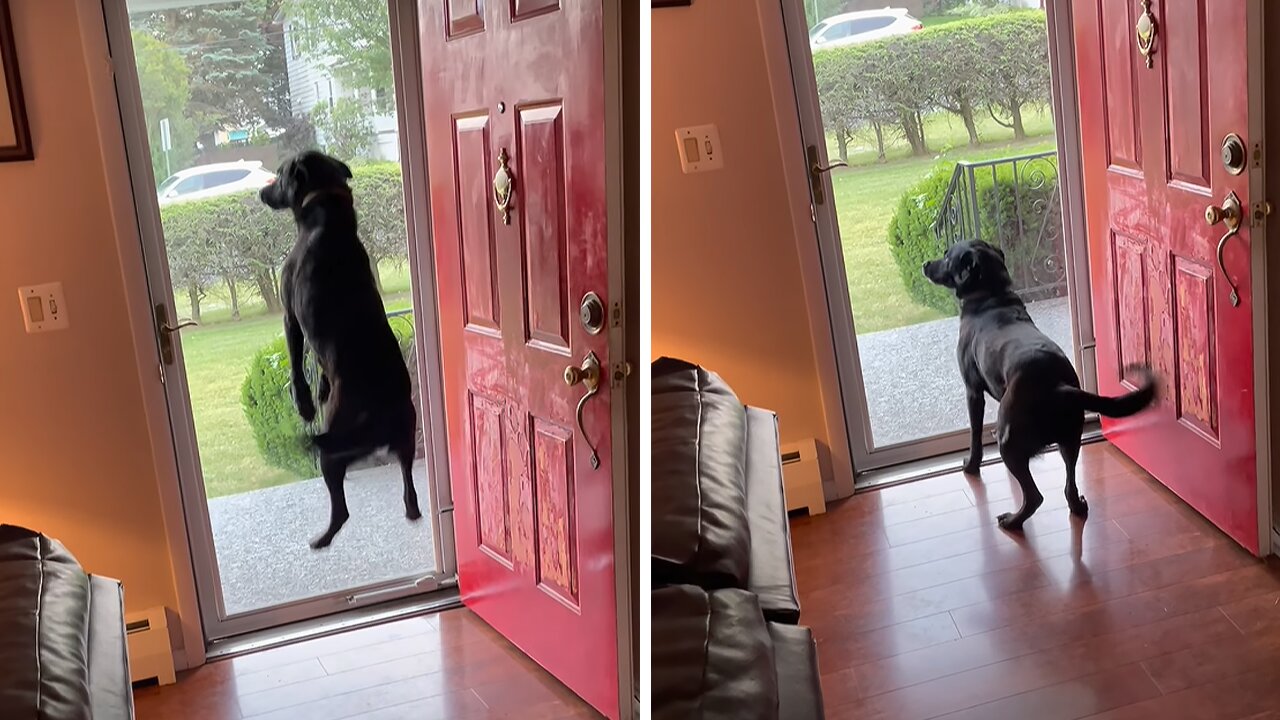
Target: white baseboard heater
<point x="150" y="652"/>
<point x="802" y="477"/>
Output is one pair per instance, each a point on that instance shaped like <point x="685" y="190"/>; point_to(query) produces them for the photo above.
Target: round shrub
<point x="1016" y="214"/>
<point x="913" y="242"/>
<point x="268" y="405"/>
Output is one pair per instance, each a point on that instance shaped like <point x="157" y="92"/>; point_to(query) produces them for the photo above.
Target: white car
<point x="863" y="26"/>
<point x="204" y="181"/>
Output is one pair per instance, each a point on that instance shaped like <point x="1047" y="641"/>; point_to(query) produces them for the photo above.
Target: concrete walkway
<point x="913" y="386"/>
<point x="262" y="539"/>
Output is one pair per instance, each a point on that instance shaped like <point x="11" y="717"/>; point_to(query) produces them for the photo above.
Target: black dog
<point x="1003" y="353"/>
<point x="332" y="303"/>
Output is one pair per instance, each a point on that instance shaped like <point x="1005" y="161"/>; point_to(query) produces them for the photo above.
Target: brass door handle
<point x="175" y="328"/>
<point x="504" y="187"/>
<point x="1230" y="214"/>
<point x="816" y="169"/>
<point x="165" y="331"/>
<point x="589" y="377"/>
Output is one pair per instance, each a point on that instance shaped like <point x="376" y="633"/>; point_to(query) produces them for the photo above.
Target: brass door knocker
<point x="504" y="187"/>
<point x="1146" y="31"/>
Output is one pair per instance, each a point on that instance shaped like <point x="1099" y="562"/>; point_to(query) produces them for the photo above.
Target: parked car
<point x="204" y="181"/>
<point x="862" y="26"/>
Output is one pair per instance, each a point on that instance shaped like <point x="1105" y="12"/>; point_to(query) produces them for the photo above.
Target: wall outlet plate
<point x="699" y="148"/>
<point x="43" y="308"/>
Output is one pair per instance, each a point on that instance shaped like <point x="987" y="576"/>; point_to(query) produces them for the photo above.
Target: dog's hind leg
<point x="1070" y="451"/>
<point x="1019" y="465"/>
<point x="406" y="450"/>
<point x="335" y="473"/>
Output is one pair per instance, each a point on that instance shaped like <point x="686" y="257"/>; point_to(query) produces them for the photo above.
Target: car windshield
<point x="817" y="29"/>
<point x="167" y="184"/>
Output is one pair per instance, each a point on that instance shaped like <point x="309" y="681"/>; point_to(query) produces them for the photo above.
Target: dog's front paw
<point x="972" y="468"/>
<point x="322" y="542"/>
<point x="306" y="408"/>
<point x="1009" y="521"/>
<point x="413" y="513"/>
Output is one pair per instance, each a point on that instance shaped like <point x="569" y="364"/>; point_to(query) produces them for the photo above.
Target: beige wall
<point x="75" y="459"/>
<point x="727" y="289"/>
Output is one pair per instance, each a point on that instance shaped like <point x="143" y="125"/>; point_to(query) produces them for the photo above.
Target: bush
<point x="1010" y="216"/>
<point x="267" y="401"/>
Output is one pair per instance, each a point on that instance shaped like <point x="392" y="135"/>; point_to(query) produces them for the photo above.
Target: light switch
<point x="43" y="308"/>
<point x="699" y="148"/>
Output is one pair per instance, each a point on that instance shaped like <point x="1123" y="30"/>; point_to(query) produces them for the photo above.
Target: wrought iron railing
<point x="401" y="322"/>
<point x="1015" y="204"/>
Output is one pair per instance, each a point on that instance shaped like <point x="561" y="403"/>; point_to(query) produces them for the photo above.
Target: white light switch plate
<point x="699" y="148"/>
<point x="43" y="308"/>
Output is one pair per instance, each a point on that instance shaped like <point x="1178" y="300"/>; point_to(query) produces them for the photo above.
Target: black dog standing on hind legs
<point x="1002" y="353"/>
<point x="332" y="303"/>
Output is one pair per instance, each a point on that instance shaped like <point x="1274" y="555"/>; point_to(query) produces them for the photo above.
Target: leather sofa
<point x="725" y="635"/>
<point x="63" y="653"/>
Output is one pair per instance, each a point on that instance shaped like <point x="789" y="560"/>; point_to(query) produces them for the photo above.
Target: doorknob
<point x="504" y="187"/>
<point x="1230" y="215"/>
<point x="589" y="377"/>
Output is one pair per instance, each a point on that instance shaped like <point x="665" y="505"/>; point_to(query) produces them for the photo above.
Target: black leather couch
<point x="63" y="653"/>
<point x="726" y="638"/>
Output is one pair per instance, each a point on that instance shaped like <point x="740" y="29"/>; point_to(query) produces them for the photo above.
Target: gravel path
<point x="262" y="539"/>
<point x="913" y="387"/>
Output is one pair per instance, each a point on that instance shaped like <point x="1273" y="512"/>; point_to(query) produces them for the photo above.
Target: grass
<point x="217" y="354"/>
<point x="867" y="193"/>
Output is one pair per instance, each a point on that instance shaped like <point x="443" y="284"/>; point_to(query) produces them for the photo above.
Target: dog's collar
<point x="317" y="194"/>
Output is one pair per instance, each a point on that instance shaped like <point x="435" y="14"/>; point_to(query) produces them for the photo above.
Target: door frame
<point x="118" y="110"/>
<point x="831" y="270"/>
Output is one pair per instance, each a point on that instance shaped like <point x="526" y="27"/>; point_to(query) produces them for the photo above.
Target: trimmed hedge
<point x="1010" y="217"/>
<point x="268" y="406"/>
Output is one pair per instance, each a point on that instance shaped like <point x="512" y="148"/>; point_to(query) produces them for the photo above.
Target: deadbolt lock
<point x="591" y="313"/>
<point x="1234" y="155"/>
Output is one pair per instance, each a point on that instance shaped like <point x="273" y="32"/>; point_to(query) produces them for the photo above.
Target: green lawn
<point x="217" y="354"/>
<point x="867" y="194"/>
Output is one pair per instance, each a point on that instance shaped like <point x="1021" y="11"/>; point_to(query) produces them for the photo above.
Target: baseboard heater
<point x="150" y="652"/>
<point x="802" y="477"/>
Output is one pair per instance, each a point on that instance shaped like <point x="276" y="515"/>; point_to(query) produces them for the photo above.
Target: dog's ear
<point x="346" y="170"/>
<point x="965" y="269"/>
<point x="999" y="252"/>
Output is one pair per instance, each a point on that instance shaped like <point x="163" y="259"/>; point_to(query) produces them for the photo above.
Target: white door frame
<point x="1263" y="233"/>
<point x="829" y="275"/>
<point x="134" y="201"/>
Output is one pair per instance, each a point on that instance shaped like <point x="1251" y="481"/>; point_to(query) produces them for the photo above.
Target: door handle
<point x="1230" y="215"/>
<point x="589" y="377"/>
<point x="816" y="169"/>
<point x="165" y="331"/>
<point x="504" y="187"/>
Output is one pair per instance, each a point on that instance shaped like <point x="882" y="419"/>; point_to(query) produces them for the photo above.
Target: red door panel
<point x="1151" y="139"/>
<point x="524" y="80"/>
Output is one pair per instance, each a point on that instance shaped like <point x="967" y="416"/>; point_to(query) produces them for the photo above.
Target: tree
<point x="235" y="52"/>
<point x="1016" y="73"/>
<point x="351" y="37"/>
<point x="378" y="189"/>
<point x="163" y="77"/>
<point x="345" y="130"/>
<point x="951" y="54"/>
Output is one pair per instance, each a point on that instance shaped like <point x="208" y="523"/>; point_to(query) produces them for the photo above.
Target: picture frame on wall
<point x="15" y="133"/>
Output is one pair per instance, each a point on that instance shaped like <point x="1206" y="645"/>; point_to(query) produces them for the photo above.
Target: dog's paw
<point x="413" y="513"/>
<point x="1009" y="521"/>
<point x="307" y="410"/>
<point x="972" y="469"/>
<point x="1079" y="507"/>
<point x="321" y="542"/>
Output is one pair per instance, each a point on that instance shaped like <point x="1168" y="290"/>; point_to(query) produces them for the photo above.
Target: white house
<point x="311" y="83"/>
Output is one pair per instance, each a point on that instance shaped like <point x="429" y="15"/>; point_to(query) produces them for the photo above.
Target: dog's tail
<point x="1121" y="406"/>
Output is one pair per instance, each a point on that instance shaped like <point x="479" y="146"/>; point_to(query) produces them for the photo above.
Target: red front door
<point x="514" y="92"/>
<point x="1152" y="138"/>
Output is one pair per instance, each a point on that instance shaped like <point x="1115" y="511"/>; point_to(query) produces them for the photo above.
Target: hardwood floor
<point x="923" y="608"/>
<point x="449" y="665"/>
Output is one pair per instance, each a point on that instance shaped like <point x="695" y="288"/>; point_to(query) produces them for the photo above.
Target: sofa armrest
<point x="110" y="691"/>
<point x="773" y="575"/>
<point x="799" y="682"/>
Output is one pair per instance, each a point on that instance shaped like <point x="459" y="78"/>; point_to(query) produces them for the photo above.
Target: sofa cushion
<point x="799" y="683"/>
<point x="712" y="656"/>
<point x="772" y="572"/>
<point x="700" y="530"/>
<point x="109" y="686"/>
<point x="44" y="623"/>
